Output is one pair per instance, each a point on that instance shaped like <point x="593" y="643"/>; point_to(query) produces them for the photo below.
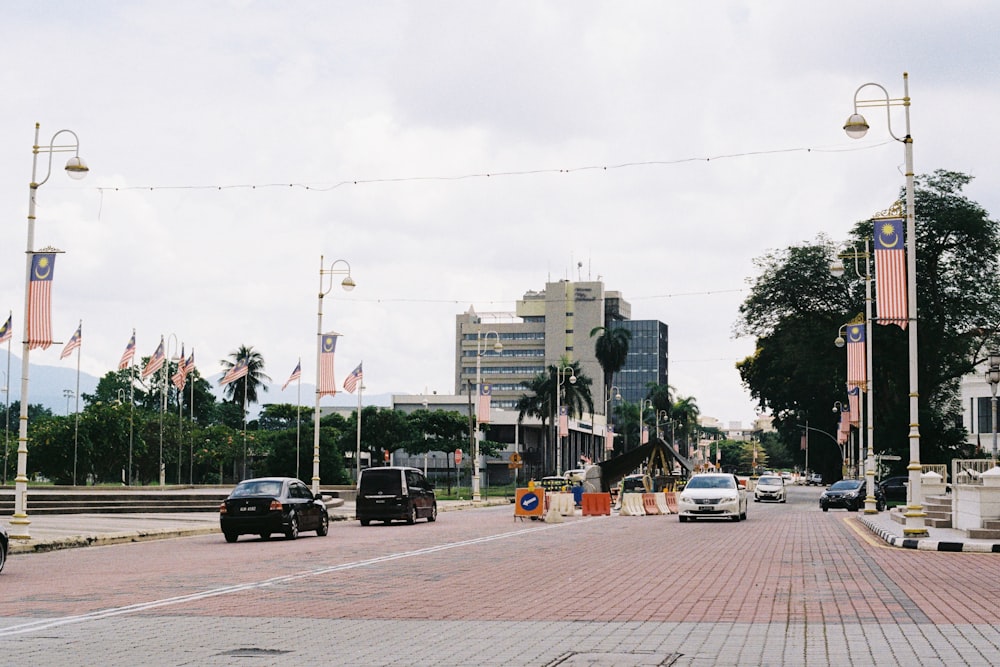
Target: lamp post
<point x="993" y="377"/>
<point x="498" y="348"/>
<point x="856" y="127"/>
<point x="561" y="372"/>
<point x="829" y="435"/>
<point x="837" y="269"/>
<point x="76" y="168"/>
<point x="348" y="284"/>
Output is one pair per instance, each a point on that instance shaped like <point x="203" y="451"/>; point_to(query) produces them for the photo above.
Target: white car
<point x="711" y="495"/>
<point x="770" y="487"/>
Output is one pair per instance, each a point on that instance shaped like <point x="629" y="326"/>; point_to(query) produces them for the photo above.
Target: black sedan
<point x="850" y="495"/>
<point x="4" y="545"/>
<point x="894" y="488"/>
<point x="272" y="505"/>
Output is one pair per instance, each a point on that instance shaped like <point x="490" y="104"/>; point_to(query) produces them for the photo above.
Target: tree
<point x="685" y="414"/>
<point x="249" y="384"/>
<point x="541" y="400"/>
<point x="796" y="307"/>
<point x="611" y="350"/>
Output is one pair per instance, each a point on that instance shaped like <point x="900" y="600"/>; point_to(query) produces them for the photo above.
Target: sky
<point x="459" y="154"/>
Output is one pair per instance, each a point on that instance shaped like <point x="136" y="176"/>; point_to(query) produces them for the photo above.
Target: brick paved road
<point x="791" y="586"/>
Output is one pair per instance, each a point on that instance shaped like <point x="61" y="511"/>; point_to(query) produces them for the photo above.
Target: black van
<point x="395" y="492"/>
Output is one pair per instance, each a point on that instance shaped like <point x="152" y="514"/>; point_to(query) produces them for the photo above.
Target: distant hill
<point x="48" y="383"/>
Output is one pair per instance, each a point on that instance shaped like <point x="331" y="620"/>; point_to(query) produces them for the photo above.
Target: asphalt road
<point x="791" y="585"/>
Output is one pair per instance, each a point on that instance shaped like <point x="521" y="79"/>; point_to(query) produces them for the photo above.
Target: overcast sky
<point x="457" y="154"/>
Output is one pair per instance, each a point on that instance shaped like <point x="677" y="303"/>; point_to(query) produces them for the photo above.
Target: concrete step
<point x="936" y="522"/>
<point x="983" y="533"/>
<point x="991" y="524"/>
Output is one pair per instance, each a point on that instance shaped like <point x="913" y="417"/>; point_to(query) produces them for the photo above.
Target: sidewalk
<point x="939" y="539"/>
<point x="49" y="532"/>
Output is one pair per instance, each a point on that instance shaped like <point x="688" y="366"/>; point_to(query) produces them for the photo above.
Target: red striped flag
<point x="40" y="300"/>
<point x="155" y="362"/>
<point x="563" y="421"/>
<point x="854" y="400"/>
<point x="129" y="354"/>
<point x="484" y="404"/>
<point x="890" y="272"/>
<point x="179" y="378"/>
<point x="235" y="373"/>
<point x="327" y="385"/>
<point x="645" y="435"/>
<point x="73" y="343"/>
<point x="6" y="331"/>
<point x="296" y="374"/>
<point x="351" y="383"/>
<point x="856" y="372"/>
<point x="609" y="438"/>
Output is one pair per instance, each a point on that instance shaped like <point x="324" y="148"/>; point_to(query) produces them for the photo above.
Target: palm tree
<point x="247" y="385"/>
<point x="611" y="350"/>
<point x="542" y="400"/>
<point x="685" y="415"/>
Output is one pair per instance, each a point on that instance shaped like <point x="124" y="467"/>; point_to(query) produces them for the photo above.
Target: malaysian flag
<point x="155" y="362"/>
<point x="609" y="438"/>
<point x="40" y="300"/>
<point x="352" y="380"/>
<point x="179" y="378"/>
<point x="129" y="354"/>
<point x="6" y="331"/>
<point x="296" y="374"/>
<point x="563" y="421"/>
<point x="484" y="404"/>
<point x="854" y="401"/>
<point x="327" y="383"/>
<point x="890" y="272"/>
<point x="189" y="366"/>
<point x="856" y="375"/>
<point x="804" y="443"/>
<point x="73" y="343"/>
<point x="844" y="428"/>
<point x="235" y="373"/>
<point x="645" y="435"/>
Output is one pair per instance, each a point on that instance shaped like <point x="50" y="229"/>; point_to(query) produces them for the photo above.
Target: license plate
<point x="706" y="508"/>
<point x="380" y="502"/>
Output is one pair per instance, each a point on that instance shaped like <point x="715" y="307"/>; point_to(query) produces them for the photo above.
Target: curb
<point x="104" y="539"/>
<point x="928" y="544"/>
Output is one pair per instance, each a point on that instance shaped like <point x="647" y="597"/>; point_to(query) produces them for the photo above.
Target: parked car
<point x="849" y="494"/>
<point x="395" y="492"/>
<point x="712" y="495"/>
<point x="770" y="487"/>
<point x="894" y="488"/>
<point x="814" y="479"/>
<point x="269" y="505"/>
<point x="4" y="546"/>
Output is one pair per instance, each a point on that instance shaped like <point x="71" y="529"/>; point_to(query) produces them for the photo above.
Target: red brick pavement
<point x="787" y="563"/>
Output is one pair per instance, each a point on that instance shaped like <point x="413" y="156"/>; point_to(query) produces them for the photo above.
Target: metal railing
<point x="969" y="471"/>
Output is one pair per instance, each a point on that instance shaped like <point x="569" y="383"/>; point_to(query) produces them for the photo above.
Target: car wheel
<point x="324" y="525"/>
<point x="756" y="500"/>
<point x="736" y="517"/>
<point x="743" y="517"/>
<point x="411" y="518"/>
<point x="365" y="522"/>
<point x="434" y="513"/>
<point x="825" y="509"/>
<point x="682" y="519"/>
<point x="879" y="505"/>
<point x="3" y="555"/>
<point x="265" y="537"/>
<point x="230" y="537"/>
<point x="293" y="527"/>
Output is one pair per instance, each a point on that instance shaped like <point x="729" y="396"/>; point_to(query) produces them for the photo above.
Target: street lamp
<point x="348" y="284"/>
<point x="498" y="348"/>
<point x="856" y="127"/>
<point x="561" y="372"/>
<point x="76" y="168"/>
<point x="993" y="377"/>
<point x="837" y="270"/>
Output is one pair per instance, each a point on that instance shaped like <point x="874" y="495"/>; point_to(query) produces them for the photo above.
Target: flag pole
<point x="6" y="412"/>
<point x="298" y="416"/>
<point x="357" y="452"/>
<point x="76" y="422"/>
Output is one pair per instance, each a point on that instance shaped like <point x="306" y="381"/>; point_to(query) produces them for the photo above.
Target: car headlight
<point x="730" y="499"/>
<point x="685" y="499"/>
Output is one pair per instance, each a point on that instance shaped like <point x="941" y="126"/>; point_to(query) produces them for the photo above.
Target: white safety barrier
<point x="661" y="503"/>
<point x="631" y="505"/>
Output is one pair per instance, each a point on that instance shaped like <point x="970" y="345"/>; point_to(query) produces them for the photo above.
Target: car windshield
<point x="845" y="484"/>
<point x="722" y="482"/>
<point x="770" y="480"/>
<point x="257" y="488"/>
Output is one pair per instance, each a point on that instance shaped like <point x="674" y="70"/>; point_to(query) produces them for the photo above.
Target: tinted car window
<point x="385" y="482"/>
<point x="711" y="483"/>
<point x="268" y="488"/>
<point x="845" y="485"/>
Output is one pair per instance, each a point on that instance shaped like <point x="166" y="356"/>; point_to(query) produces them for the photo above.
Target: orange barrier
<point x="649" y="503"/>
<point x="671" y="497"/>
<point x="596" y="504"/>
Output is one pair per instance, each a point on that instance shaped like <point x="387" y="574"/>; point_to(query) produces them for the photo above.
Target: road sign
<point x="515" y="458"/>
<point x="458" y="456"/>
<point x="529" y="502"/>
